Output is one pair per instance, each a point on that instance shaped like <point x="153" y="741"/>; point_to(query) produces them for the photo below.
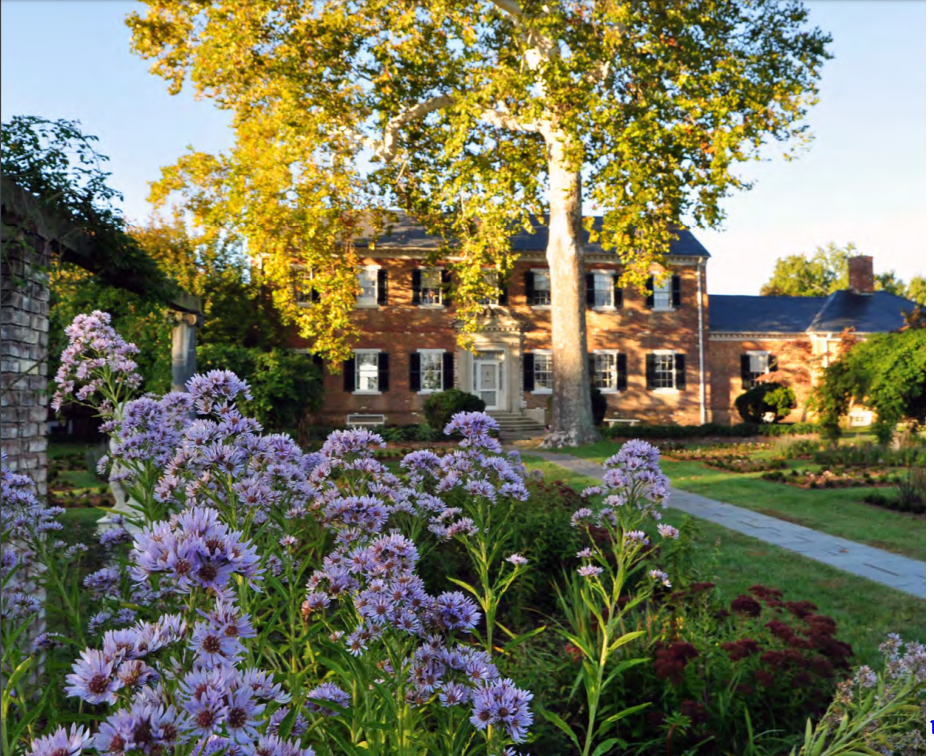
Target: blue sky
<point x="862" y="181"/>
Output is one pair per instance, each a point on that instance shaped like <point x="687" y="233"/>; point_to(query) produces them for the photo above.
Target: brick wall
<point x="24" y="326"/>
<point x="399" y="328"/>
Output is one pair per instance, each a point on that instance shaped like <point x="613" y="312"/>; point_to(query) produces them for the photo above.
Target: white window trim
<point x="610" y="307"/>
<point x="613" y="352"/>
<point x="375" y="303"/>
<point x="356" y="374"/>
<point x="496" y="283"/>
<point x="546" y="271"/>
<point x="440" y="306"/>
<point x="544" y="392"/>
<point x="655" y="307"/>
<point x="428" y="392"/>
<point x="672" y="389"/>
<point x="303" y="268"/>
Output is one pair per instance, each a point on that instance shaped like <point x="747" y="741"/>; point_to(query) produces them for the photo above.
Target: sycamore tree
<point x="473" y="117"/>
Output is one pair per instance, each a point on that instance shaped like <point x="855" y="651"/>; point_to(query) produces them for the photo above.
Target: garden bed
<point x="838" y="478"/>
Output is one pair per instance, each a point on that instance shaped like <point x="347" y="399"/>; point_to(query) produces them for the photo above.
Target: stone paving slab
<point x="893" y="570"/>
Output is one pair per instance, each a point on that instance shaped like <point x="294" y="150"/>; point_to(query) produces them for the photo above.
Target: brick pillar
<point x="24" y="335"/>
<point x="861" y="278"/>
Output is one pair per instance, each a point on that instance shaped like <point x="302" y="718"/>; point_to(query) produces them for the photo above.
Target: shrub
<point x="441" y="407"/>
<point x="763" y="398"/>
<point x="598" y="405"/>
<point x="738" y="430"/>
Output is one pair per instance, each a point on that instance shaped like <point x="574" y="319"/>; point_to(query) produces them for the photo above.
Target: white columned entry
<point x="488" y="377"/>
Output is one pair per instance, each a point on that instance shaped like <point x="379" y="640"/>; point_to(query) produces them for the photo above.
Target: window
<point x="603" y="289"/>
<point x="367" y="371"/>
<point x="663" y="295"/>
<point x="430" y="289"/>
<point x="541" y="371"/>
<point x="665" y="371"/>
<point x="432" y="371"/>
<point x="755" y="364"/>
<point x="538" y="288"/>
<point x="301" y="285"/>
<point x="368" y="281"/>
<point x="492" y="279"/>
<point x="603" y="366"/>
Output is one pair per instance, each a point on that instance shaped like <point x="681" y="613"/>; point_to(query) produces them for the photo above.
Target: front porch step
<point x="514" y="427"/>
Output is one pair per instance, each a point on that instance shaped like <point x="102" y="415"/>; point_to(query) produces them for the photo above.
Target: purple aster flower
<point x="241" y="712"/>
<point x="517" y="559"/>
<point x="213" y="647"/>
<point x="661" y="577"/>
<point x="581" y="514"/>
<point x="668" y="531"/>
<point x="453" y="694"/>
<point x="92" y="679"/>
<point x="327" y="693"/>
<point x="61" y="742"/>
<point x="589" y="570"/>
<point x="502" y="702"/>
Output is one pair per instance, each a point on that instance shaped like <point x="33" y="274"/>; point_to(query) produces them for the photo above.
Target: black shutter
<point x="591" y="293"/>
<point x="680" y="378"/>
<point x="503" y="292"/>
<point x="529" y="287"/>
<point x="528" y="371"/>
<point x="383" y="371"/>
<point x="650" y="371"/>
<point x="744" y="372"/>
<point x="676" y="291"/>
<point x="650" y="299"/>
<point x="446" y="287"/>
<point x="447" y="370"/>
<point x="416" y="286"/>
<point x="350" y="374"/>
<point x="617" y="293"/>
<point x="773" y="363"/>
<point x="382" y="287"/>
<point x="415" y="371"/>
<point x="620" y="371"/>
<point x="593" y="369"/>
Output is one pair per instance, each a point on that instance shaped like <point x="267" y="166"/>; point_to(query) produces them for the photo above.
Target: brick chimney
<point x="861" y="278"/>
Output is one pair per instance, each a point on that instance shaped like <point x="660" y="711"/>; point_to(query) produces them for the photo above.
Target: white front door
<point x="488" y="378"/>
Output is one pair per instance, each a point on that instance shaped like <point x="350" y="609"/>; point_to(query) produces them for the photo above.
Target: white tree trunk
<point x="571" y="416"/>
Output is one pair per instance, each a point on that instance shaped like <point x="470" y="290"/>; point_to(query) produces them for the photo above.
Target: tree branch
<point x="386" y="148"/>
<point x="503" y="120"/>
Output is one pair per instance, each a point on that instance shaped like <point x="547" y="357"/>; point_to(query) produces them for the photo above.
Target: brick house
<point x="653" y="357"/>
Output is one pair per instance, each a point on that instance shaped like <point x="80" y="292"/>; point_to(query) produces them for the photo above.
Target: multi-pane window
<point x="301" y="284"/>
<point x="367" y="281"/>
<point x="754" y="365"/>
<point x="542" y="292"/>
<point x="661" y="292"/>
<point x="604" y="367"/>
<point x="542" y="376"/>
<point x="432" y="371"/>
<point x="665" y="371"/>
<point x="367" y="370"/>
<point x="603" y="289"/>
<point x="491" y="279"/>
<point x="430" y="292"/>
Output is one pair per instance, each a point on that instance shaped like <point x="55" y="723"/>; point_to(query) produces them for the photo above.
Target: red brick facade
<point x="400" y="328"/>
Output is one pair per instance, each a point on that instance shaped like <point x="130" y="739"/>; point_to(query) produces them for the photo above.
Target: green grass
<point x="76" y="479"/>
<point x="837" y="511"/>
<point x="864" y="611"/>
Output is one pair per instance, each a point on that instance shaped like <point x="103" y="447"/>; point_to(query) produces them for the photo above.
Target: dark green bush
<point x="441" y="407"/>
<point x="763" y="398"/>
<point x="789" y="429"/>
<point x="411" y="432"/>
<point x="597" y="405"/>
<point x="739" y="430"/>
<point x="286" y="385"/>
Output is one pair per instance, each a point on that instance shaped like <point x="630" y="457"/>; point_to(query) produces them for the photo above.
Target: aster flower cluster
<point x="96" y="357"/>
<point x="890" y="727"/>
<point x="23" y="523"/>
<point x="195" y="549"/>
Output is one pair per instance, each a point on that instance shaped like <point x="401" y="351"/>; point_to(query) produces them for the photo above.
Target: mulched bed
<point x="837" y="478"/>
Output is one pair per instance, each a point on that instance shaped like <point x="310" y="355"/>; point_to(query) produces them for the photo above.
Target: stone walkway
<point x="883" y="567"/>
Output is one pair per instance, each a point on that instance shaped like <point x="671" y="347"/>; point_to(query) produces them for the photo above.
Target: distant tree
<point x="825" y="272"/>
<point x="917" y="290"/>
<point x="885" y="373"/>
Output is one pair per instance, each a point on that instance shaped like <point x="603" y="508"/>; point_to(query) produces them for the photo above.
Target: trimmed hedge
<point x="739" y="430"/>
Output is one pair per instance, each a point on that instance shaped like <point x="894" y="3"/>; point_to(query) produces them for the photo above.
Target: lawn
<point x="865" y="611"/>
<point x="837" y="511"/>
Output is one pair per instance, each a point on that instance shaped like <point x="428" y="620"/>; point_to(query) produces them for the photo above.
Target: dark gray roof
<point x="878" y="312"/>
<point x="762" y="314"/>
<point x="404" y="232"/>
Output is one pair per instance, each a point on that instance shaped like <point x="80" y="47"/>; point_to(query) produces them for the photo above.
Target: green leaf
<point x="516" y="640"/>
<point x="605" y="724"/>
<point x="606" y="745"/>
<point x="623" y="639"/>
<point x="561" y="725"/>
